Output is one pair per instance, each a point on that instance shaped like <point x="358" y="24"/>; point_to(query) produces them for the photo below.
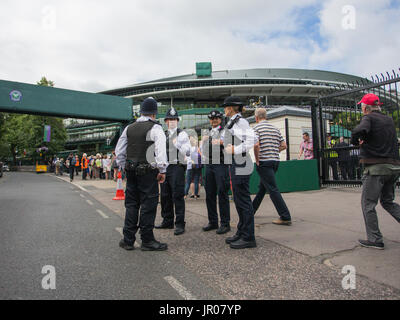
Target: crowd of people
<point x="99" y="166"/>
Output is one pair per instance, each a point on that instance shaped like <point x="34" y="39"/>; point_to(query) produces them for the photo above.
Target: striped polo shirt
<point x="270" y="139"/>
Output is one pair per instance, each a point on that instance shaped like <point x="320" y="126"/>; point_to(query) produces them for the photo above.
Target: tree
<point x="45" y="83"/>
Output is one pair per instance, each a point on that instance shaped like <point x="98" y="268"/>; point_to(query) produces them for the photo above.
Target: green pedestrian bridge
<point x="16" y="97"/>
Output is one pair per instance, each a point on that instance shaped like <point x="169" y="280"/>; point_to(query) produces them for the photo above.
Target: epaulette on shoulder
<point x="155" y="121"/>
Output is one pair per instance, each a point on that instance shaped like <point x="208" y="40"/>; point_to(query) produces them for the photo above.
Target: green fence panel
<point x="293" y="175"/>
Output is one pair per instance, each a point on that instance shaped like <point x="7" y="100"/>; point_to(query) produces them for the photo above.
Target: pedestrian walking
<point x="84" y="166"/>
<point x="344" y="158"/>
<point x="77" y="165"/>
<point x="62" y="166"/>
<point x="266" y="151"/>
<point x="97" y="165"/>
<point x="238" y="139"/>
<point x="114" y="166"/>
<point x="332" y="156"/>
<point x="379" y="152"/>
<point x="143" y="176"/>
<point x="306" y="147"/>
<point x="216" y="176"/>
<point x="193" y="171"/>
<point x="91" y="167"/>
<point x="70" y="164"/>
<point x="57" y="165"/>
<point x="107" y="167"/>
<point x="173" y="189"/>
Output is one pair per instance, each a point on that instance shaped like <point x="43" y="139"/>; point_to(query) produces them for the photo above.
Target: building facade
<point x="194" y="95"/>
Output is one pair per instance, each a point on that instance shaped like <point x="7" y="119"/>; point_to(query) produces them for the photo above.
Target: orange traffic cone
<point x="120" y="195"/>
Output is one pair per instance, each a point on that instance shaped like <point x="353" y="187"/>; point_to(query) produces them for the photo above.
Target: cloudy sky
<point x="94" y="45"/>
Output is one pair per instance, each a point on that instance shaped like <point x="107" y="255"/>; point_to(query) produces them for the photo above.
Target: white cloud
<point x="97" y="45"/>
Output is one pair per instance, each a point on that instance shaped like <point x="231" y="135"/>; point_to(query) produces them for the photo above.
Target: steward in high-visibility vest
<point x="84" y="163"/>
<point x="84" y="166"/>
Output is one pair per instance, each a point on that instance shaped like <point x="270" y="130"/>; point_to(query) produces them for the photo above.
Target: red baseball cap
<point x="371" y="100"/>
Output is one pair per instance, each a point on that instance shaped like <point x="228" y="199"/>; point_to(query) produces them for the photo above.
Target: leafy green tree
<point x="45" y="83"/>
<point x="15" y="135"/>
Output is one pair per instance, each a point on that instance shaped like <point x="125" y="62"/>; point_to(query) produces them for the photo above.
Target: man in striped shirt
<point x="266" y="151"/>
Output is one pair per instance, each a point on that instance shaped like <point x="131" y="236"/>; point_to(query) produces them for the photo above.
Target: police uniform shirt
<point x="182" y="142"/>
<point x="157" y="135"/>
<point x="213" y="133"/>
<point x="241" y="130"/>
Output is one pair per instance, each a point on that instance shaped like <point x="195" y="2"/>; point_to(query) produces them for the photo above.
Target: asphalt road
<point x="45" y="221"/>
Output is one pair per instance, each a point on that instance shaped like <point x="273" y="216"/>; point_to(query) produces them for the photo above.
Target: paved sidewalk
<point x="326" y="226"/>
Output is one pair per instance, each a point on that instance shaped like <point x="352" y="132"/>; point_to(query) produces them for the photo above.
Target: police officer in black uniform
<point x="141" y="152"/>
<point x="217" y="176"/>
<point x="238" y="139"/>
<point x="173" y="189"/>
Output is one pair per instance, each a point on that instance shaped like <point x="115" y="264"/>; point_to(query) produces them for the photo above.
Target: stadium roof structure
<point x="279" y="85"/>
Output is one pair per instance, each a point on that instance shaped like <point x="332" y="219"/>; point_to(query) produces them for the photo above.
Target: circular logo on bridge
<point x="15" y="95"/>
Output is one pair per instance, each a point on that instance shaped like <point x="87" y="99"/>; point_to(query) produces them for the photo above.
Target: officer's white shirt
<point x="242" y="130"/>
<point x="212" y="132"/>
<point x="182" y="142"/>
<point x="157" y="135"/>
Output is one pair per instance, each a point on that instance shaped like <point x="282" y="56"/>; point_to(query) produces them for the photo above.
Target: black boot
<point x="153" y="246"/>
<point x="224" y="229"/>
<point x="179" y="230"/>
<point x="126" y="246"/>
<point x="165" y="225"/>
<point x="242" y="244"/>
<point x="232" y="239"/>
<point x="210" y="226"/>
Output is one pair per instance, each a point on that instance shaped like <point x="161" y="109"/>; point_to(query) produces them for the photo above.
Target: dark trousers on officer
<point x="217" y="183"/>
<point x="141" y="195"/>
<point x="266" y="170"/>
<point x="172" y="195"/>
<point x="244" y="207"/>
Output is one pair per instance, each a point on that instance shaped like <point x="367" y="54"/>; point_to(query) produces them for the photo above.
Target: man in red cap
<point x="379" y="152"/>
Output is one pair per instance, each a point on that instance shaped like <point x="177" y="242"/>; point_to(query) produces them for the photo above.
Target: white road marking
<point x="82" y="188"/>
<point x="183" y="292"/>
<point x="82" y="195"/>
<point x="77" y="185"/>
<point x="90" y="202"/>
<point x="119" y="230"/>
<point x="102" y="214"/>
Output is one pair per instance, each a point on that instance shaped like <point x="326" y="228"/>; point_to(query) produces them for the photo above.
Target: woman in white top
<point x="107" y="167"/>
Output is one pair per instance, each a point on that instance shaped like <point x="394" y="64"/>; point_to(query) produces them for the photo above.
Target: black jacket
<point x="380" y="139"/>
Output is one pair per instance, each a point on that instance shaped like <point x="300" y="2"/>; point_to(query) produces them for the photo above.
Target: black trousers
<point x="244" y="207"/>
<point x="217" y="183"/>
<point x="84" y="173"/>
<point x="71" y="172"/>
<point x="345" y="169"/>
<point x="333" y="164"/>
<point x="172" y="196"/>
<point x="266" y="170"/>
<point x="141" y="199"/>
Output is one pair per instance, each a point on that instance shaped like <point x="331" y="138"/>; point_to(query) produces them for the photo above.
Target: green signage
<point x="203" y="69"/>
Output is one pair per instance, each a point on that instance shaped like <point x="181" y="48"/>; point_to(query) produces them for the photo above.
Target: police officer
<point x="238" y="139"/>
<point x="141" y="151"/>
<point x="173" y="189"/>
<point x="217" y="175"/>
